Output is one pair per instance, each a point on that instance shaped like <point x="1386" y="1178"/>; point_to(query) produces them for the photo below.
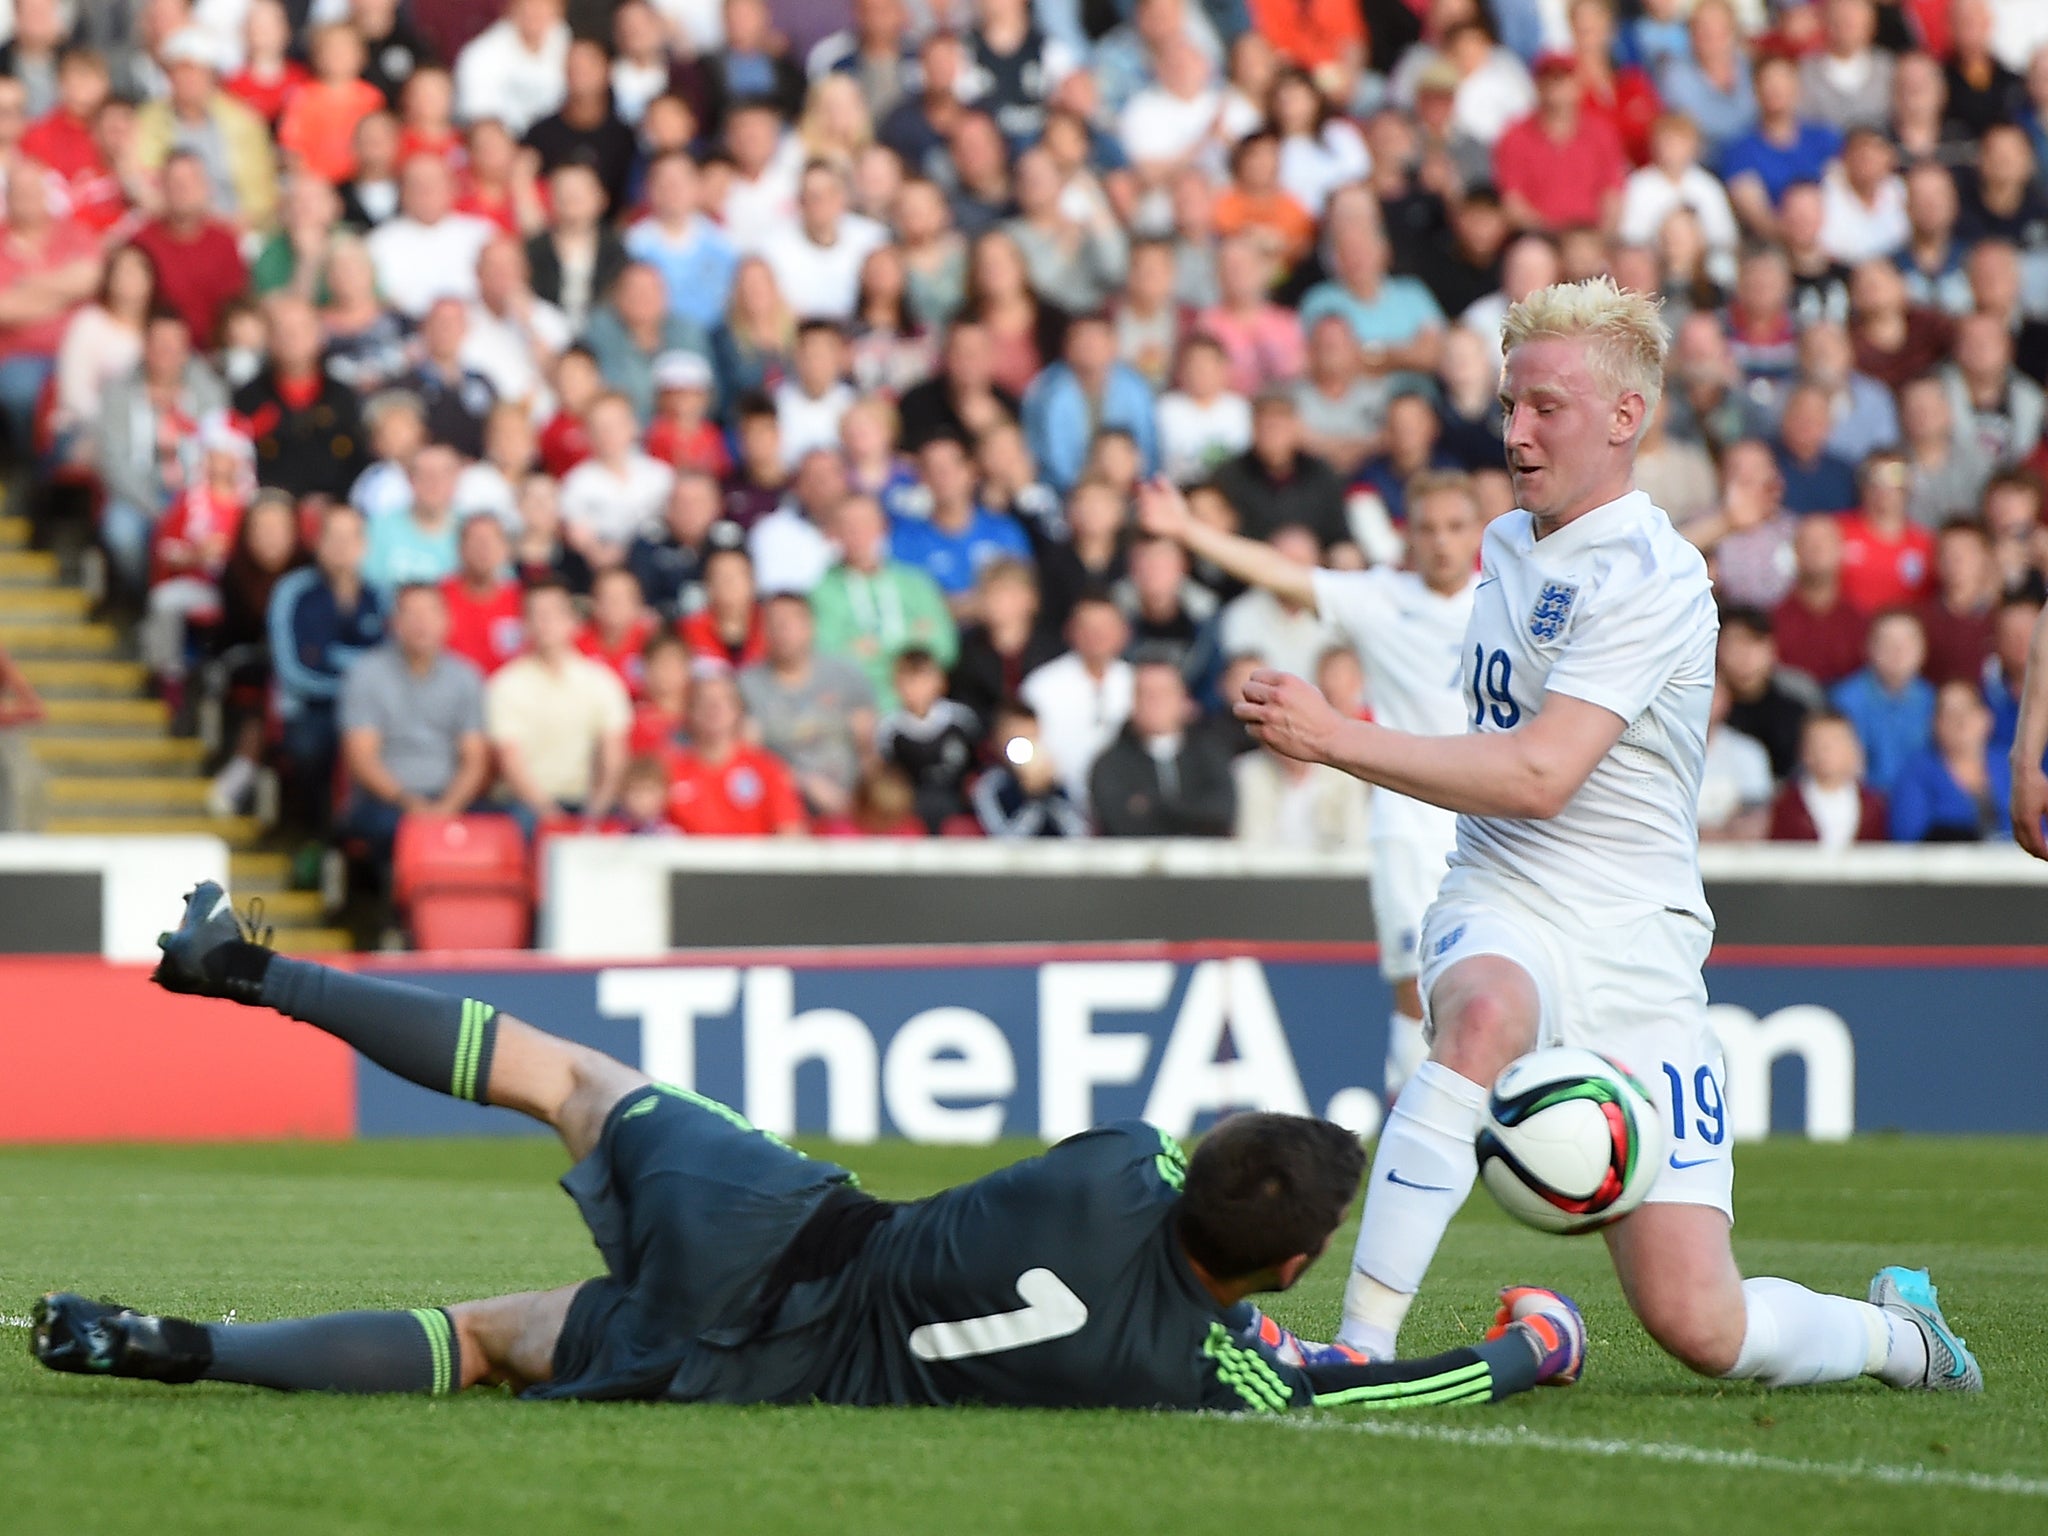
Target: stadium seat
<point x="462" y="882"/>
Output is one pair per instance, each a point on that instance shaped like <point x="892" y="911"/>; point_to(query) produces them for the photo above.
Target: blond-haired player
<point x="1573" y="911"/>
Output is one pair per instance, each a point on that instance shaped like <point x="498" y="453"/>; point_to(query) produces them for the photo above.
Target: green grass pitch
<point x="1639" y="1445"/>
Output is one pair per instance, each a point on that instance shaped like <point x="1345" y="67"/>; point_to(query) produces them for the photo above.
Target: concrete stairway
<point x="109" y="762"/>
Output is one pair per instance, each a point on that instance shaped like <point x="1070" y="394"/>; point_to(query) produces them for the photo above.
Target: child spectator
<point x="1957" y="788"/>
<point x="1022" y="795"/>
<point x="1202" y="423"/>
<point x="884" y="805"/>
<point x="1888" y="702"/>
<point x="643" y="800"/>
<point x="318" y="125"/>
<point x="398" y="430"/>
<point x="565" y="440"/>
<point x="193" y="539"/>
<point x="1828" y="802"/>
<point x="485" y="626"/>
<point x="811" y="402"/>
<point x="269" y="74"/>
<point x="929" y="737"/>
<point x="682" y="434"/>
<point x="728" y="627"/>
<point x="661" y="720"/>
<point x="756" y="484"/>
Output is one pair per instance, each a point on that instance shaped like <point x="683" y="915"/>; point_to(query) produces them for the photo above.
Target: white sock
<point x="1420" y="1176"/>
<point x="1406" y="1050"/>
<point x="1795" y="1338"/>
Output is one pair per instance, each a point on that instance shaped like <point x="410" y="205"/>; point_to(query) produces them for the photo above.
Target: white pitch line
<point x="1668" y="1451"/>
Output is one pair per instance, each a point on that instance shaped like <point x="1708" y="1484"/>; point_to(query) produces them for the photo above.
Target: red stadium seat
<point x="462" y="882"/>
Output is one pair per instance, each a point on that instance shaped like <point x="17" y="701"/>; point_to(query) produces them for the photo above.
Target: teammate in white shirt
<point x="1573" y="912"/>
<point x="1408" y="628"/>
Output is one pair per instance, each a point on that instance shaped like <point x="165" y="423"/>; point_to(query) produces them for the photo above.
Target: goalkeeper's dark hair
<point x="1262" y="1188"/>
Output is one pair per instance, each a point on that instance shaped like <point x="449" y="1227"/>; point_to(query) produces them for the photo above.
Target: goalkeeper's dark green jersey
<point x="742" y="1272"/>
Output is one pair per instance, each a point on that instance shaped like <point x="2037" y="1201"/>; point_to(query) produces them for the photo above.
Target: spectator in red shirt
<point x="720" y="786"/>
<point x="682" y="434"/>
<point x="486" y="619"/>
<point x="63" y="139"/>
<point x="565" y="440"/>
<point x="662" y="720"/>
<point x="1623" y="96"/>
<point x="1561" y="167"/>
<point x="190" y="551"/>
<point x="47" y="269"/>
<point x="1887" y="559"/>
<point x="427" y="113"/>
<point x="619" y="627"/>
<point x="1817" y="629"/>
<point x="1960" y="617"/>
<point x="269" y="74"/>
<point x="199" y="267"/>
<point x="728" y="627"/>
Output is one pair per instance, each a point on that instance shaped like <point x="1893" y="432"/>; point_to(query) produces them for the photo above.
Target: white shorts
<point x="1631" y="991"/>
<point x="1406" y="872"/>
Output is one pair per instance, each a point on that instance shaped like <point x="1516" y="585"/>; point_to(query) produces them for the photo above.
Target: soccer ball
<point x="1571" y="1140"/>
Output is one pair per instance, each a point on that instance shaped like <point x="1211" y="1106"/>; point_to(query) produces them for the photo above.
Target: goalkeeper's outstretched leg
<point x="462" y="1047"/>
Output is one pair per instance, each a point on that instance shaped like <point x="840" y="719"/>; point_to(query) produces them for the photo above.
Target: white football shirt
<point x="1411" y="643"/>
<point x="1614" y="608"/>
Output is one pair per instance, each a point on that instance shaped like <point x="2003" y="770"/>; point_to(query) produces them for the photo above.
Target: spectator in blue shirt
<point x="1957" y="788"/>
<point x="419" y="543"/>
<point x="1396" y="319"/>
<point x="1781" y="149"/>
<point x="1815" y="479"/>
<point x="322" y="617"/>
<point x="1888" y="701"/>
<point x="694" y="256"/>
<point x="1088" y="393"/>
<point x="1712" y="87"/>
<point x="957" y="536"/>
<point x="2011" y="638"/>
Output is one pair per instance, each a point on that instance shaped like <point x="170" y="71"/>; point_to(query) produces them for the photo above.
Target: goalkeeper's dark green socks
<point x="341" y="1352"/>
<point x="440" y="1042"/>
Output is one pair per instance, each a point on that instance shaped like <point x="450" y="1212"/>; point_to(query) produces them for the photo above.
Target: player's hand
<point x="1162" y="510"/>
<point x="2029" y="805"/>
<point x="1288" y="715"/>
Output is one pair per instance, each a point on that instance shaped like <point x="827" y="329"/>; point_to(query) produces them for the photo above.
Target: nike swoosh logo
<point x="223" y="905"/>
<point x="1394" y="1177"/>
<point x="1051" y="1311"/>
<point x="1487" y="583"/>
<point x="1693" y="1164"/>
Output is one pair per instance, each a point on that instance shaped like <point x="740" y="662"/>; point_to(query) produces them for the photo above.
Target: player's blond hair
<point x="1623" y="330"/>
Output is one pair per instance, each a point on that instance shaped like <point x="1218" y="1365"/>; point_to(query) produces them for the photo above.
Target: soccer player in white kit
<point x="1408" y="627"/>
<point x="1573" y="913"/>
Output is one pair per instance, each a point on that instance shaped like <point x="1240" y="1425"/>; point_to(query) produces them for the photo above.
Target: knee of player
<point x="1700" y="1339"/>
<point x="1482" y="1033"/>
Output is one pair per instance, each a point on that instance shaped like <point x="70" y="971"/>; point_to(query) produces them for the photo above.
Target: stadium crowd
<point x="616" y="414"/>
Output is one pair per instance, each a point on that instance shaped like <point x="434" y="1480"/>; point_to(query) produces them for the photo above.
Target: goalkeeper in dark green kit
<point x="1108" y="1272"/>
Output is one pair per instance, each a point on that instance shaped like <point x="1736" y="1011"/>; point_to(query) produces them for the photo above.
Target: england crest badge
<point x="1553" y="610"/>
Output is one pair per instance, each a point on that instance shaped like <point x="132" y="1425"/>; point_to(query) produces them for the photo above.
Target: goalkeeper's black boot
<point x="97" y="1338"/>
<point x="213" y="952"/>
